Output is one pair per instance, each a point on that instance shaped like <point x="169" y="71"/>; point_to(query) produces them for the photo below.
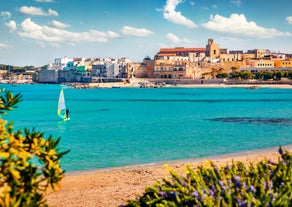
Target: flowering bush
<point x="263" y="184"/>
<point x="29" y="163"/>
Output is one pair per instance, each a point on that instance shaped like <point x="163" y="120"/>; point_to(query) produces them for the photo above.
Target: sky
<point x="35" y="32"/>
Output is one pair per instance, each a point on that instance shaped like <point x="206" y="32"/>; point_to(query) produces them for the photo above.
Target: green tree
<point x="29" y="163"/>
<point x="278" y="75"/>
<point x="245" y="75"/>
<point x="222" y="75"/>
<point x="289" y="74"/>
<point x="235" y="75"/>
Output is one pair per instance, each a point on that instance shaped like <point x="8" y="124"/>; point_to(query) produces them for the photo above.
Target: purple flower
<point x="237" y="181"/>
<point x="211" y="192"/>
<point x="212" y="187"/>
<point x="221" y="184"/>
<point x="271" y="184"/>
<point x="195" y="194"/>
<point x="240" y="203"/>
<point x="252" y="189"/>
<point x="163" y="194"/>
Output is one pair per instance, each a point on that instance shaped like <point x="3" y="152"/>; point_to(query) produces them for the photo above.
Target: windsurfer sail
<point x="62" y="107"/>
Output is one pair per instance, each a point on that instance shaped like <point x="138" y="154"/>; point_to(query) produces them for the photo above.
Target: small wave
<point x="255" y="120"/>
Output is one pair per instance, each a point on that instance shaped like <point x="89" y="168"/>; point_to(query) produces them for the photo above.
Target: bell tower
<point x="212" y="50"/>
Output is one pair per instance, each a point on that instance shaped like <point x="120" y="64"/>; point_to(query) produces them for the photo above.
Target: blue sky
<point x="34" y="32"/>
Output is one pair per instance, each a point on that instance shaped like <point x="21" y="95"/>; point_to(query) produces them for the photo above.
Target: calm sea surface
<point x="126" y="126"/>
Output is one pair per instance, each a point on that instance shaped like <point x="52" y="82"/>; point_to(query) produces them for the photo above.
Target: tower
<point x="212" y="50"/>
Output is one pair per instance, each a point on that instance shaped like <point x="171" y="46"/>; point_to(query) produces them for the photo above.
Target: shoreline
<point x="117" y="85"/>
<point x="114" y="186"/>
<point x="182" y="161"/>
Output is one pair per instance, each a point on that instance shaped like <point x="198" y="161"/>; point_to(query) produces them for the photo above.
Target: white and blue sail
<point x="61" y="106"/>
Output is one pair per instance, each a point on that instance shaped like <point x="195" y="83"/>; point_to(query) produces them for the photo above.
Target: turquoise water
<point x="126" y="126"/>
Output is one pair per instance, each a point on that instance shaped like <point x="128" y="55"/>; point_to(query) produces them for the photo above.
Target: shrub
<point x="29" y="163"/>
<point x="263" y="184"/>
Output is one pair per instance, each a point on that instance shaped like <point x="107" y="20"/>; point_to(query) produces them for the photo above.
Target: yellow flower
<point x="4" y="154"/>
<point x="15" y="173"/>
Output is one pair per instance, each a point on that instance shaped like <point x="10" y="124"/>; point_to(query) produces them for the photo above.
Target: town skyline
<point x="34" y="32"/>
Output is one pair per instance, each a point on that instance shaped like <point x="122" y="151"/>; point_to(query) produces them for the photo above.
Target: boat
<point x="62" y="110"/>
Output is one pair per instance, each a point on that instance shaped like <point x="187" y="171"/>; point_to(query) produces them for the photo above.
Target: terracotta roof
<point x="181" y="49"/>
<point x="167" y="54"/>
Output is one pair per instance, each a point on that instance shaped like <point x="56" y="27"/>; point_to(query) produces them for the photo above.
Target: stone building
<point x="212" y="50"/>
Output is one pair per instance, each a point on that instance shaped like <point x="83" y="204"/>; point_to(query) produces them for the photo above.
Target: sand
<point x="113" y="187"/>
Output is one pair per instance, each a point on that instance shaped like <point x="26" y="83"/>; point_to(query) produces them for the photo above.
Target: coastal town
<point x="205" y="65"/>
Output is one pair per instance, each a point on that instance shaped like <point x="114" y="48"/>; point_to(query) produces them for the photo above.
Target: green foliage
<point x="263" y="184"/>
<point x="29" y="163"/>
<point x="222" y="75"/>
<point x="8" y="101"/>
<point x="260" y="75"/>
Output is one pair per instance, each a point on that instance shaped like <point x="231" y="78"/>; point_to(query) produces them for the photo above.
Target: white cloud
<point x="175" y="16"/>
<point x="173" y="38"/>
<point x="35" y="11"/>
<point x="58" y="24"/>
<point x="289" y="19"/>
<point x="136" y="32"/>
<point x="236" y="2"/>
<point x="4" y="46"/>
<point x="32" y="30"/>
<point x="52" y="12"/>
<point x="5" y="14"/>
<point x="11" y="25"/>
<point x="44" y="1"/>
<point x="176" y="40"/>
<point x="237" y="25"/>
<point x="112" y="35"/>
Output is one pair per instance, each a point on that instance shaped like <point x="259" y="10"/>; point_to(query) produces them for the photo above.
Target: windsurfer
<point x="67" y="113"/>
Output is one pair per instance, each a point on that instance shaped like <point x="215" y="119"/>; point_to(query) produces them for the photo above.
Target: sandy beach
<point x="112" y="187"/>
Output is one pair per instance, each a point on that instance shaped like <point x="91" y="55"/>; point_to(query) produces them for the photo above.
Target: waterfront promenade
<point x="186" y="83"/>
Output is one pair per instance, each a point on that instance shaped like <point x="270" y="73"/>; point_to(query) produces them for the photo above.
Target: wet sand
<point x="112" y="187"/>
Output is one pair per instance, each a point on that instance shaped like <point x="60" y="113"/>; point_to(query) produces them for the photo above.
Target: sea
<point x="116" y="127"/>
